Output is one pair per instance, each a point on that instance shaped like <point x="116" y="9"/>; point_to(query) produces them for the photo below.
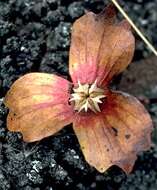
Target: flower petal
<point x="38" y="104"/>
<point x="115" y="136"/>
<point x="100" y="48"/>
<point x="130" y="120"/>
<point x="99" y="146"/>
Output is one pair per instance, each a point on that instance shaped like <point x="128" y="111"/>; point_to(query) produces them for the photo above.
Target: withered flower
<point x="111" y="126"/>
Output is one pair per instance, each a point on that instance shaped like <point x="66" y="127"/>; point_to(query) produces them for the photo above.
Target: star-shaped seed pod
<point x="87" y="97"/>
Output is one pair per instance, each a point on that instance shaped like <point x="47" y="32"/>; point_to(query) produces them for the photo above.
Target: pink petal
<point x="38" y="105"/>
<point x="100" y="48"/>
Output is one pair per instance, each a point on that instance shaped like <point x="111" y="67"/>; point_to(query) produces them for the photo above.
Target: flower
<point x="112" y="127"/>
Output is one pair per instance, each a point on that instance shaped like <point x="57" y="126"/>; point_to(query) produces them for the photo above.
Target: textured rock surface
<point x="35" y="36"/>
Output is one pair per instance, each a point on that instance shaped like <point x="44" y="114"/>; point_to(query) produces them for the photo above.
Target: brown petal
<point x="38" y="105"/>
<point x="99" y="145"/>
<point x="115" y="136"/>
<point x="130" y="120"/>
<point x="100" y="48"/>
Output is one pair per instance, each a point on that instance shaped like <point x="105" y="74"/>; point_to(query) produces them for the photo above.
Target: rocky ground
<point x="35" y="36"/>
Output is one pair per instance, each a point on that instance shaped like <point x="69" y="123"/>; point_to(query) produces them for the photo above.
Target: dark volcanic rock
<point x="35" y="36"/>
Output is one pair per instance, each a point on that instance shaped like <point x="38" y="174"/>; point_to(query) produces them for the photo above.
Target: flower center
<point x="87" y="97"/>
